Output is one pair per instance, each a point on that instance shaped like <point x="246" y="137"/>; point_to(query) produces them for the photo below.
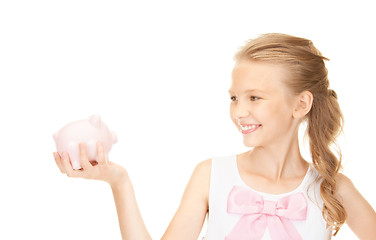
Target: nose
<point x="240" y="110"/>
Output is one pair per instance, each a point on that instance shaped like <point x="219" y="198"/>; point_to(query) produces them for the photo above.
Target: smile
<point x="248" y="128"/>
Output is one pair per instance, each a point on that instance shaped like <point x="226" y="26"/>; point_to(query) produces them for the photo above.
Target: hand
<point x="103" y="169"/>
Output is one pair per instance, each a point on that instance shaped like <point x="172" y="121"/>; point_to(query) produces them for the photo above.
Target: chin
<point x="249" y="143"/>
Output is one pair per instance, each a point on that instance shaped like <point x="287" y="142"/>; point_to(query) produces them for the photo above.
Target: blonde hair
<point x="325" y="119"/>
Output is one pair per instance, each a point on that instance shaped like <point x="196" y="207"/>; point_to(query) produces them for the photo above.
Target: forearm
<point x="131" y="224"/>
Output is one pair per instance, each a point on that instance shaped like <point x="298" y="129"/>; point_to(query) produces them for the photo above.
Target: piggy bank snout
<point x="114" y="137"/>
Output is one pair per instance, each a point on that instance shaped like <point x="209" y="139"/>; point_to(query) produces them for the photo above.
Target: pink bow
<point x="259" y="214"/>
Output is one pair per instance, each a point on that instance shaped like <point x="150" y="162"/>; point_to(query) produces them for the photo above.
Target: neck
<point x="280" y="159"/>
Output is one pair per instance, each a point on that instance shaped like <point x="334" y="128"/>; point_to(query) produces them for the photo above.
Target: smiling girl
<point x="270" y="191"/>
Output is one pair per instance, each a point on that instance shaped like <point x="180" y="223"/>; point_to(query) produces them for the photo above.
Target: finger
<point x="84" y="160"/>
<point x="59" y="162"/>
<point x="101" y="157"/>
<point x="68" y="166"/>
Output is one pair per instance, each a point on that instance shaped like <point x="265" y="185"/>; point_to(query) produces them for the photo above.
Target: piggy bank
<point x="87" y="131"/>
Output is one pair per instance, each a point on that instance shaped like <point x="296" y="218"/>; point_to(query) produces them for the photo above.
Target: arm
<point x="189" y="218"/>
<point x="131" y="224"/>
<point x="361" y="217"/>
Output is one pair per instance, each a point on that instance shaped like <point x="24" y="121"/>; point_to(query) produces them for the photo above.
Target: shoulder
<point x="343" y="182"/>
<point x="199" y="183"/>
<point x="344" y="188"/>
<point x="219" y="166"/>
<point x="204" y="164"/>
<point x="203" y="169"/>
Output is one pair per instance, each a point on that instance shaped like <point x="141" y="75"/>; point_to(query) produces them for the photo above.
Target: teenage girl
<point x="270" y="191"/>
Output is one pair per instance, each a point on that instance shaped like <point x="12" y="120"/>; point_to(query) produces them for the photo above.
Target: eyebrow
<point x="248" y="91"/>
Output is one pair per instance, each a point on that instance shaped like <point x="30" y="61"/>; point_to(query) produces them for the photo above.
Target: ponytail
<point x="325" y="121"/>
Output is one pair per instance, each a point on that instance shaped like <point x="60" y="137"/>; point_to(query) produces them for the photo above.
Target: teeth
<point x="245" y="128"/>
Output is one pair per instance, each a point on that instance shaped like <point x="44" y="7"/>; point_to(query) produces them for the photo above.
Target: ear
<point x="303" y="104"/>
<point x="95" y="120"/>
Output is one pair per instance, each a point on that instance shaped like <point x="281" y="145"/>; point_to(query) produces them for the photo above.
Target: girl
<point x="269" y="192"/>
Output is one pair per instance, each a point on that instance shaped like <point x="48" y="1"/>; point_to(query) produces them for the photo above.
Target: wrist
<point x="119" y="177"/>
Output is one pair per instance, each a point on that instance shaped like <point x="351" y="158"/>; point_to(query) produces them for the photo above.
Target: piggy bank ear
<point x="95" y="120"/>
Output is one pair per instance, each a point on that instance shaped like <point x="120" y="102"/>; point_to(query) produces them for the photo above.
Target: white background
<point x="158" y="73"/>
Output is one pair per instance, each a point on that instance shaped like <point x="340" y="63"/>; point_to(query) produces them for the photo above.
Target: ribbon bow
<point x="259" y="214"/>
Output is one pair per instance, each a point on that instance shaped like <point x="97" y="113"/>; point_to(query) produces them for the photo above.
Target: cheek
<point x="276" y="114"/>
<point x="234" y="121"/>
<point x="281" y="116"/>
<point x="232" y="115"/>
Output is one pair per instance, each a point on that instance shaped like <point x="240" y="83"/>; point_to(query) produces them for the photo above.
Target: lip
<point x="247" y="124"/>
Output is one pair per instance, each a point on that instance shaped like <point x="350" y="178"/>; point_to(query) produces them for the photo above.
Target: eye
<point x="233" y="98"/>
<point x="254" y="98"/>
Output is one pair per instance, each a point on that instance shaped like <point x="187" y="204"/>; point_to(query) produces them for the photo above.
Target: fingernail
<point x="64" y="155"/>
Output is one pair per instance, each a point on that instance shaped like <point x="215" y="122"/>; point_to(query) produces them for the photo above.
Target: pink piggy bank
<point x="87" y="131"/>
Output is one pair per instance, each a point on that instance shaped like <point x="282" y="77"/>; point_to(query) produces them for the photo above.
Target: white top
<point x="225" y="175"/>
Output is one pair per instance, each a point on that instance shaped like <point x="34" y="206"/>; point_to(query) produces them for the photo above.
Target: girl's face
<point x="261" y="105"/>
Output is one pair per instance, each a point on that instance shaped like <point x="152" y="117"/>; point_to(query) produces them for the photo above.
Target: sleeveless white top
<point x="225" y="175"/>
